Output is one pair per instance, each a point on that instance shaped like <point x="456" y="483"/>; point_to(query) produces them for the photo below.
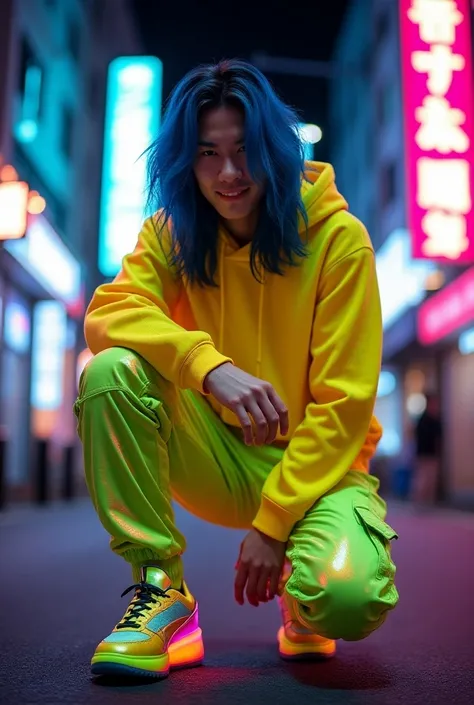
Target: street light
<point x="309" y="135"/>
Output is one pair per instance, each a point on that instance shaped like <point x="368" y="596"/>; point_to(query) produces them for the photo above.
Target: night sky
<point x="183" y="33"/>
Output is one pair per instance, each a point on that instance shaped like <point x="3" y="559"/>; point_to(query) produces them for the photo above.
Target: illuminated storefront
<point x="42" y="291"/>
<point x="404" y="283"/>
<point x="446" y="326"/>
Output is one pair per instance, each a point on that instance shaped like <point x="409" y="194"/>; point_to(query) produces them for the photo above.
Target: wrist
<point x="208" y="377"/>
<point x="267" y="537"/>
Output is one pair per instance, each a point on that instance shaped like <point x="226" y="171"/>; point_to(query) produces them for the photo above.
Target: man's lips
<point x="234" y="193"/>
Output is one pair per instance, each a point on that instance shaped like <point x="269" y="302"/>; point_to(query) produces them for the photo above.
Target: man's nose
<point x="229" y="171"/>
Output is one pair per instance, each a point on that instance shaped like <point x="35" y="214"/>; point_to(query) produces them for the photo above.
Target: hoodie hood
<point x="319" y="193"/>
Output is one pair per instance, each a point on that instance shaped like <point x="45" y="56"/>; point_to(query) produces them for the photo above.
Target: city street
<point x="60" y="594"/>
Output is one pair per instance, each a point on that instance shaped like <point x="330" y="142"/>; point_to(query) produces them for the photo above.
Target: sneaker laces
<point x="146" y="595"/>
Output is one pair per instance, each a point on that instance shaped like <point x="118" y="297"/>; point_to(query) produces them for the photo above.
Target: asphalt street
<point x="60" y="594"/>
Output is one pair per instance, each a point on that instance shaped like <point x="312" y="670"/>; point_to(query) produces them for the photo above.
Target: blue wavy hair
<point x="274" y="155"/>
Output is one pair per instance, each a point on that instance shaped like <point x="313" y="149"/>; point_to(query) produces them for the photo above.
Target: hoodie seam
<point x="349" y="254"/>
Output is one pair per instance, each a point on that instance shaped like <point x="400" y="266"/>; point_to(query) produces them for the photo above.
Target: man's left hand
<point x="259" y="568"/>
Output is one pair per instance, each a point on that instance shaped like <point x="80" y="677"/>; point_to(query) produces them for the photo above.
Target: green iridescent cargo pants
<point x="147" y="443"/>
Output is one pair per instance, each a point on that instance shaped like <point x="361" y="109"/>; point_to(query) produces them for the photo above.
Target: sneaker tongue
<point x="155" y="576"/>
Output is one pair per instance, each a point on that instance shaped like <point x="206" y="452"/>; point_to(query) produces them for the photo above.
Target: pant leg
<point x="144" y="441"/>
<point x="342" y="580"/>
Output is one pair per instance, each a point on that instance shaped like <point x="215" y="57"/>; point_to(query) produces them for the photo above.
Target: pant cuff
<point x="173" y="567"/>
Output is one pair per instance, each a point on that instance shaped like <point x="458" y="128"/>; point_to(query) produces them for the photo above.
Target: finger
<point x="237" y="562"/>
<point x="271" y="416"/>
<point x="262" y="585"/>
<point x="245" y="422"/>
<point x="240" y="582"/>
<point x="260" y="422"/>
<point x="273" y="583"/>
<point x="281" y="410"/>
<point x="252" y="584"/>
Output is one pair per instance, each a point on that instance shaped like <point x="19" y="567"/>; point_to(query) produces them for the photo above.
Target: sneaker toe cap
<point x="131" y="643"/>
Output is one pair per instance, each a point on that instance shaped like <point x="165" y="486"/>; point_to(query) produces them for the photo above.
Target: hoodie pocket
<point x="381" y="534"/>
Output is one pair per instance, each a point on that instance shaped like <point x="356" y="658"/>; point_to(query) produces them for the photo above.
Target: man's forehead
<point x="221" y="124"/>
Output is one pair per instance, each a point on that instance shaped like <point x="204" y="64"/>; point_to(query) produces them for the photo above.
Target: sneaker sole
<point x="118" y="670"/>
<point x="185" y="653"/>
<point x="291" y="651"/>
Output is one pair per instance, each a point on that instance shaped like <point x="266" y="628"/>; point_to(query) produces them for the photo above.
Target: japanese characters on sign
<point x="439" y="128"/>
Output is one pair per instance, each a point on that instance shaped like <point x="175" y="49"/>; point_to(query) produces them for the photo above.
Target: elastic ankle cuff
<point x="173" y="567"/>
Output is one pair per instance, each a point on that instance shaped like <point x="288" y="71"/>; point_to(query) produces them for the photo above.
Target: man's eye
<point x="208" y="153"/>
<point x="242" y="148"/>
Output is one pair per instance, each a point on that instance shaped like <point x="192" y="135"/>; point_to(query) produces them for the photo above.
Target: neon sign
<point x="447" y="311"/>
<point x="439" y="128"/>
<point x="131" y="125"/>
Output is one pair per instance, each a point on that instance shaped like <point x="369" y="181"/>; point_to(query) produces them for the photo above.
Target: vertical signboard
<point x="132" y="120"/>
<point x="438" y="102"/>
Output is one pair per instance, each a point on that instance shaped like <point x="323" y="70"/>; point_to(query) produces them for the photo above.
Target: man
<point x="428" y="439"/>
<point x="237" y="357"/>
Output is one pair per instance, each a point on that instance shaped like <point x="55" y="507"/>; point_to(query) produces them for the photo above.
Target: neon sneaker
<point x="159" y="631"/>
<point x="297" y="643"/>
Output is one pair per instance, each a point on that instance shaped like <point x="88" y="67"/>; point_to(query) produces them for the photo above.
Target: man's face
<point x="221" y="165"/>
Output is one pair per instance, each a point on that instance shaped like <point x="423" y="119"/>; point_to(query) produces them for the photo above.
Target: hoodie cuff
<point x="202" y="360"/>
<point x="273" y="520"/>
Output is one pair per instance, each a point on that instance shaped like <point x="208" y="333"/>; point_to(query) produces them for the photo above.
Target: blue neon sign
<point x="49" y="344"/>
<point x="132" y="121"/>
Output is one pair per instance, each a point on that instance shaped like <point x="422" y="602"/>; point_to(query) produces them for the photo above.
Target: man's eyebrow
<point x="207" y="143"/>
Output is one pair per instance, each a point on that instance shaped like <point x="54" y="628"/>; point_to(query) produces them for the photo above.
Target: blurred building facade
<point x="54" y="57"/>
<point x="370" y="108"/>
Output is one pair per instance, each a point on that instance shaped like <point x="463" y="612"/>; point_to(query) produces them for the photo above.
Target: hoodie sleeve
<point x="346" y="350"/>
<point x="134" y="312"/>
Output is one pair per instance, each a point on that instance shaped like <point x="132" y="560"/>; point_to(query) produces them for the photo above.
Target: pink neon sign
<point x="438" y="100"/>
<point x="447" y="311"/>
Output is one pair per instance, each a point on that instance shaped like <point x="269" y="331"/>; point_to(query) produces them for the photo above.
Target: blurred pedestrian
<point x="428" y="448"/>
<point x="237" y="356"/>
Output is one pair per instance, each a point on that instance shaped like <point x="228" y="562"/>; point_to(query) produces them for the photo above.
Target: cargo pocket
<point x="381" y="534"/>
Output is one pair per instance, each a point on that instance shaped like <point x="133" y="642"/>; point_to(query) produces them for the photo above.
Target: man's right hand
<point x="248" y="396"/>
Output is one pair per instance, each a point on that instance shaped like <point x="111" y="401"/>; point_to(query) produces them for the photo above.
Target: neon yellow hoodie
<point x="315" y="334"/>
